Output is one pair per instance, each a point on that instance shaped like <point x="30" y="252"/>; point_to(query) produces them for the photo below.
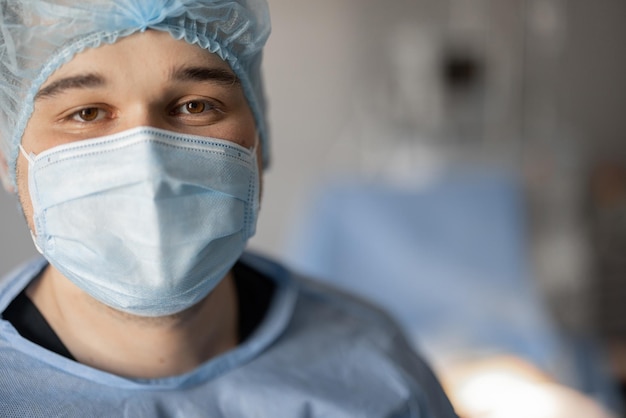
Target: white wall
<point x="309" y="67"/>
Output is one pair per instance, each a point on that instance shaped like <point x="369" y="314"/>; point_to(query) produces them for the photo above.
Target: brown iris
<point x="195" y="107"/>
<point x="89" y="114"/>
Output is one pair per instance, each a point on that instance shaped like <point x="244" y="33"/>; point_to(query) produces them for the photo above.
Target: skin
<point x="146" y="79"/>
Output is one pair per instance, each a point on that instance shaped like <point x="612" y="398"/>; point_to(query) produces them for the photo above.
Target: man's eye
<point x="88" y="114"/>
<point x="194" y="107"/>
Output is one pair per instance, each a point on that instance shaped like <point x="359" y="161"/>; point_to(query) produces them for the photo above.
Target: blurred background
<point x="463" y="163"/>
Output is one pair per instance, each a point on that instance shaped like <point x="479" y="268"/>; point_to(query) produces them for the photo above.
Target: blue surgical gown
<point x="317" y="353"/>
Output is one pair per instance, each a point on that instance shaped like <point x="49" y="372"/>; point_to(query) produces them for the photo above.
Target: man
<point x="134" y="134"/>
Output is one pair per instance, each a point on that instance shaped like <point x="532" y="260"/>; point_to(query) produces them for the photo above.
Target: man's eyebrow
<point x="73" y="82"/>
<point x="204" y="74"/>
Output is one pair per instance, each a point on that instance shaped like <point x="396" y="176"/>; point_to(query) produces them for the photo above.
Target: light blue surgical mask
<point x="146" y="221"/>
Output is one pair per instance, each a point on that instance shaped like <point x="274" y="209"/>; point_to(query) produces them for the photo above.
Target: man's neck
<point x="133" y="346"/>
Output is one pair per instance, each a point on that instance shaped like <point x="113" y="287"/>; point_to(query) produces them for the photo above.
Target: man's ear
<point x="4" y="174"/>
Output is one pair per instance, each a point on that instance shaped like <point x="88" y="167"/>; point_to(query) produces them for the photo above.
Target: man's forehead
<point x="152" y="46"/>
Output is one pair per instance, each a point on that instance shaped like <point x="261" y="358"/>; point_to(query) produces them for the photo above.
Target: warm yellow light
<point x="509" y="387"/>
<point x="503" y="394"/>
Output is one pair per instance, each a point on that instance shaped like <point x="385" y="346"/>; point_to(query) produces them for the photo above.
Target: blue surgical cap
<point x="38" y="36"/>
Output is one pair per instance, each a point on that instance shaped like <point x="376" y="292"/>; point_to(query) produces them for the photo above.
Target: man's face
<point x="146" y="79"/>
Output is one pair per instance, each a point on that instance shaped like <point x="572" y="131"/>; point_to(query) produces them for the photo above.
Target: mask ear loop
<point x="29" y="157"/>
<point x="255" y="146"/>
<point x="31" y="160"/>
